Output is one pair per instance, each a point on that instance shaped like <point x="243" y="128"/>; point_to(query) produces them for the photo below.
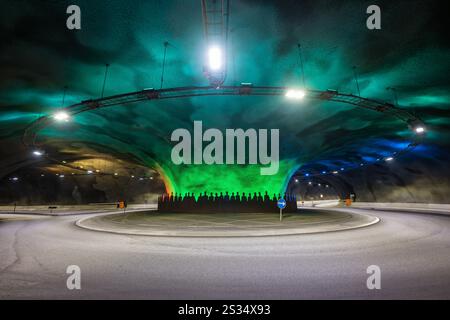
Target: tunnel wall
<point x="414" y="181"/>
<point x="35" y="190"/>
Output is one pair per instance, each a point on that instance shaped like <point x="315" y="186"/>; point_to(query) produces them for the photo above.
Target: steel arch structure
<point x="386" y="108"/>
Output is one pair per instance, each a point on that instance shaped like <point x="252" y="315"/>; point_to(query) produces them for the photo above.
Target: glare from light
<point x="61" y="176"/>
<point x="324" y="172"/>
<point x="321" y="195"/>
<point x="296" y="180"/>
<point x="90" y="172"/>
<point x="38" y="153"/>
<point x="335" y="172"/>
<point x="116" y="174"/>
<point x="310" y="183"/>
<point x="295" y="94"/>
<point x="15" y="179"/>
<point x="420" y="130"/>
<point x="215" y="58"/>
<point x="389" y="159"/>
<point x="61" y="116"/>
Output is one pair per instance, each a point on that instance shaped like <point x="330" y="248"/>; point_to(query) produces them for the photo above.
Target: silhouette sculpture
<point x="224" y="203"/>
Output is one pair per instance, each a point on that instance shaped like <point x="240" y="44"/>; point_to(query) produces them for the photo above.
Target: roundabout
<point x="151" y="223"/>
<point x="36" y="253"/>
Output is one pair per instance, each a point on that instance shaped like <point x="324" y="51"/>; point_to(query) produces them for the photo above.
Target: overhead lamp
<point x="295" y="94"/>
<point x="419" y="129"/>
<point x="417" y="126"/>
<point x="61" y="116"/>
<point x="90" y="172"/>
<point x="389" y="159"/>
<point x="38" y="153"/>
<point x="215" y="58"/>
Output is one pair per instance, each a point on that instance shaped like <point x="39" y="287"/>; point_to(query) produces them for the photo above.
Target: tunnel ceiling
<point x="40" y="56"/>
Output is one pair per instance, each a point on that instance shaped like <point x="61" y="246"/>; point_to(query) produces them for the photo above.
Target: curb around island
<point x="270" y="232"/>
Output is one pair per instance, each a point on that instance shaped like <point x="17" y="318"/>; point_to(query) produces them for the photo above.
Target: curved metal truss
<point x="245" y="89"/>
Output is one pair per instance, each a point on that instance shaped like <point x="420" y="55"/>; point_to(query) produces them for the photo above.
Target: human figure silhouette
<point x="177" y="202"/>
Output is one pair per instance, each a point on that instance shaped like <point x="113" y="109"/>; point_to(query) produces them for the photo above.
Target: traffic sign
<point x="281" y="203"/>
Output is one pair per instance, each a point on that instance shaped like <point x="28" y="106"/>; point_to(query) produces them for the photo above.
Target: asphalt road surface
<point x="412" y="251"/>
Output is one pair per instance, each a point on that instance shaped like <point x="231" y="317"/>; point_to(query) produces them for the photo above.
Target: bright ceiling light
<point x="61" y="116"/>
<point x="38" y="153"/>
<point x="419" y="129"/>
<point x="215" y="58"/>
<point x="296" y="94"/>
<point x="389" y="159"/>
<point x="90" y="172"/>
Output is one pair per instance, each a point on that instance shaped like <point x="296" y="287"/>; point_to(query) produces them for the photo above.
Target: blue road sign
<point x="281" y="203"/>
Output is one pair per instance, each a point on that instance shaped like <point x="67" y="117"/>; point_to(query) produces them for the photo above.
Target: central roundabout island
<point x="154" y="223"/>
